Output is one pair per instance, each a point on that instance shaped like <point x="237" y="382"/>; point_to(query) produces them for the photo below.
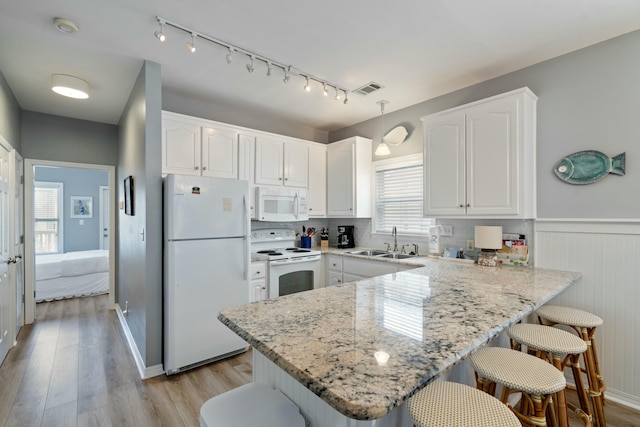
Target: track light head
<point x="191" y="46"/>
<point x="230" y="56"/>
<point x="346" y="98"/>
<point x="337" y="97"/>
<point x="250" y="65"/>
<point x="307" y="87"/>
<point x="268" y="69"/>
<point x="159" y="34"/>
<point x="325" y="92"/>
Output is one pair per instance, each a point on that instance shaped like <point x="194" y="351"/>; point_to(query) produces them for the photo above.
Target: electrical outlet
<point x="446" y="230"/>
<point x="470" y="244"/>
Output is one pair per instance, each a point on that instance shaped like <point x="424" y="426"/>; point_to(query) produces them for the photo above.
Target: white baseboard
<point x="616" y="396"/>
<point x="145" y="372"/>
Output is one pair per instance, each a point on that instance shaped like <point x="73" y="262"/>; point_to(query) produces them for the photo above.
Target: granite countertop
<point x="426" y="320"/>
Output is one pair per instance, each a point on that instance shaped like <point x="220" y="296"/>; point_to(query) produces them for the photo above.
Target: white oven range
<point x="291" y="269"/>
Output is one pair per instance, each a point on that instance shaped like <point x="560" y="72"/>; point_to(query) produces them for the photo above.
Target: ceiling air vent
<point x="368" y="88"/>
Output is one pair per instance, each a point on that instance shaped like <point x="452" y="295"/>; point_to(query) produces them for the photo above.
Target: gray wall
<point x="77" y="182"/>
<point x="48" y="137"/>
<point x="588" y="99"/>
<point x="257" y="118"/>
<point x="140" y="260"/>
<point x="9" y="116"/>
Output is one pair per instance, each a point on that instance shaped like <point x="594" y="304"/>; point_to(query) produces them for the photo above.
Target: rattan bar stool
<point x="444" y="403"/>
<point x="560" y="348"/>
<point x="537" y="380"/>
<point x="585" y="324"/>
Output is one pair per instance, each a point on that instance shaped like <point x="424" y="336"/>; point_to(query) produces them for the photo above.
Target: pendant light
<point x="383" y="148"/>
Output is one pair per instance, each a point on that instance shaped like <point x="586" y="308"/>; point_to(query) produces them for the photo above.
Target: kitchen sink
<point x="396" y="256"/>
<point x="368" y="252"/>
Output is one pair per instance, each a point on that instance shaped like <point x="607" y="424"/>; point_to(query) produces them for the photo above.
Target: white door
<point x="269" y="161"/>
<point x="180" y="147"/>
<point x="296" y="165"/>
<point x="340" y="192"/>
<point x="219" y="152"/>
<point x="17" y="238"/>
<point x="104" y="217"/>
<point x="6" y="289"/>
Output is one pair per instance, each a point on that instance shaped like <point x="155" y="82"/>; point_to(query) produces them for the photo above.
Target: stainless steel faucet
<point x="394" y="233"/>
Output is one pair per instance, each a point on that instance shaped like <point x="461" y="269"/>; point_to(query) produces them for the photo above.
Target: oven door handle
<point x="295" y="260"/>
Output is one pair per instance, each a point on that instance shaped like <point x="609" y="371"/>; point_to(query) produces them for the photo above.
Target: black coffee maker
<point x="345" y="237"/>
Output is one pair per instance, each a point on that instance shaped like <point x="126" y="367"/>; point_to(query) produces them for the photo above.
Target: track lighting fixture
<point x="383" y="148"/>
<point x="346" y="98"/>
<point x="232" y="50"/>
<point x="159" y="34"/>
<point x="250" y="65"/>
<point x="191" y="46"/>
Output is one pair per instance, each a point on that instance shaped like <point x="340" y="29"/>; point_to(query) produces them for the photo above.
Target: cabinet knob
<point x="204" y="168"/>
<point x="286" y="179"/>
<point x="468" y="205"/>
<point x="461" y="206"/>
<point x="350" y="209"/>
<point x="279" y="178"/>
<point x="196" y="168"/>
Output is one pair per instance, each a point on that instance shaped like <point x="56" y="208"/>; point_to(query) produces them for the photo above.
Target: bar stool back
<point x="443" y="403"/>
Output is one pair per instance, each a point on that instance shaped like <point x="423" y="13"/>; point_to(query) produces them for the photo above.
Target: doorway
<point x="78" y="212"/>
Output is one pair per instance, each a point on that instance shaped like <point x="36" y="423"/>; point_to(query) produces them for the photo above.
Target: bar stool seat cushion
<point x="518" y="371"/>
<point x="252" y="404"/>
<point x="552" y="340"/>
<point x="444" y="403"/>
<point x="569" y="316"/>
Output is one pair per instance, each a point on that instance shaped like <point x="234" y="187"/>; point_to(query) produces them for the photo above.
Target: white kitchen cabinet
<point x="192" y="146"/>
<point x="246" y="166"/>
<point x="258" y="284"/>
<point x="343" y="269"/>
<point x="317" y="192"/>
<point x="334" y="269"/>
<point x="349" y="178"/>
<point x="280" y="161"/>
<point x="479" y="158"/>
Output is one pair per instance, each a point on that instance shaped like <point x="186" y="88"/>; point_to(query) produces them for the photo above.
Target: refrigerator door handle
<point x="246" y="237"/>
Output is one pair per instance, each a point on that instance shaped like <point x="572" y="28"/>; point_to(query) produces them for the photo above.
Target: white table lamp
<point x="489" y="240"/>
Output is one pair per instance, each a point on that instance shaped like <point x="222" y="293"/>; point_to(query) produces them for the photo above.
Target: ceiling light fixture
<point x="191" y="46"/>
<point x="383" y="148"/>
<point x="288" y="70"/>
<point x="69" y="86"/>
<point x="325" y="92"/>
<point x="250" y="65"/>
<point x="160" y="34"/>
<point x="346" y="98"/>
<point x="65" y="26"/>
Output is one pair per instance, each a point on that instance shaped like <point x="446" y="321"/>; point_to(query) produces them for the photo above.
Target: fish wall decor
<point x="587" y="167"/>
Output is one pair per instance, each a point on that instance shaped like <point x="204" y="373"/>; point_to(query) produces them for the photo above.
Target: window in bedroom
<point x="398" y="197"/>
<point x="48" y="214"/>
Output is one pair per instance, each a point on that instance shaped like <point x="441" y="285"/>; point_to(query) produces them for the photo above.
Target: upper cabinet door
<point x="180" y="147"/>
<point x="444" y="165"/>
<point x="296" y="164"/>
<point x="492" y="158"/>
<point x="269" y="161"/>
<point x="219" y="152"/>
<point x="317" y="194"/>
<point x="340" y="193"/>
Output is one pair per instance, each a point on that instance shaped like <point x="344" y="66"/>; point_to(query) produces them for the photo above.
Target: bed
<point x="72" y="274"/>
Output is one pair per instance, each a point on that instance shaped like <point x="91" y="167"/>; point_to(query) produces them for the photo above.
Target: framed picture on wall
<point x="128" y="195"/>
<point x="81" y="207"/>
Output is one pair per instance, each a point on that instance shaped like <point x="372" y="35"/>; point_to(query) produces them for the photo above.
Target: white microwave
<point x="281" y="204"/>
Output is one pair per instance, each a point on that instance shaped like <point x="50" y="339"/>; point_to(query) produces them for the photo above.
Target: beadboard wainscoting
<point x="607" y="253"/>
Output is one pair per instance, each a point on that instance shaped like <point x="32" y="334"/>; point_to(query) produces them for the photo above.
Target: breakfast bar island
<point x="352" y="354"/>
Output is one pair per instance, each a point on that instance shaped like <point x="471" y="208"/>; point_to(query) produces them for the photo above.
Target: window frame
<point x="60" y="220"/>
<point x="395" y="163"/>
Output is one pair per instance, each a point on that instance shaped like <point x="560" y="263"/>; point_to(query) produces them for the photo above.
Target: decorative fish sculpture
<point x="587" y="167"/>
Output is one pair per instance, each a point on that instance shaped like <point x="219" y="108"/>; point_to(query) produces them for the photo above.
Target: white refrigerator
<point x="206" y="267"/>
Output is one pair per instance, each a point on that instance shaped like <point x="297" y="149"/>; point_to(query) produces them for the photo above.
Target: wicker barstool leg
<point x="594" y="383"/>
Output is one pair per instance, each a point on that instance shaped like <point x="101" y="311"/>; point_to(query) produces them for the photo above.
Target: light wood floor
<point x="72" y="367"/>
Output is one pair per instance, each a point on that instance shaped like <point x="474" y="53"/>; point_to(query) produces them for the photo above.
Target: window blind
<point x="398" y="199"/>
<point x="46" y="207"/>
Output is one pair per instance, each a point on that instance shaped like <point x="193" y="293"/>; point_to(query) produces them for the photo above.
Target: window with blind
<point x="47" y="207"/>
<point x="398" y="196"/>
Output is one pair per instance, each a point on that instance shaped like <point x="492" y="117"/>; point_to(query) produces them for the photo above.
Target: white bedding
<point x="72" y="274"/>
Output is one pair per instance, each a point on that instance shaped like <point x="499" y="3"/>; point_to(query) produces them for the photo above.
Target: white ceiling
<point x="417" y="49"/>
